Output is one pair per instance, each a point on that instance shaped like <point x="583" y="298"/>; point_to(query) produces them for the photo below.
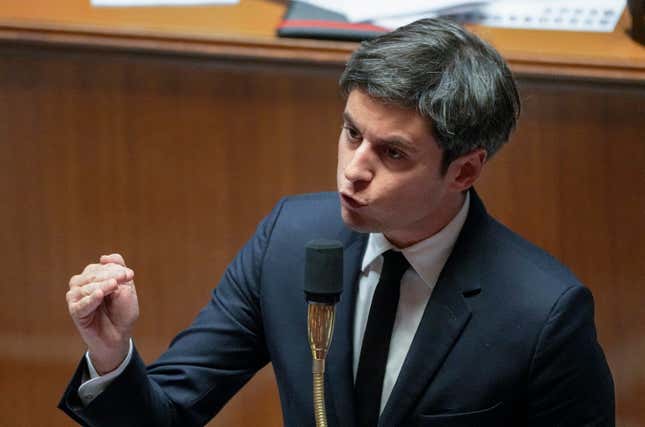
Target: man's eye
<point x="352" y="133"/>
<point x="393" y="153"/>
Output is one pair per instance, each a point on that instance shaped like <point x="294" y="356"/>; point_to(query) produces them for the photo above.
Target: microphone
<point x="323" y="285"/>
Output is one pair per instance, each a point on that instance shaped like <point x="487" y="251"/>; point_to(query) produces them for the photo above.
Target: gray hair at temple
<point x="456" y="80"/>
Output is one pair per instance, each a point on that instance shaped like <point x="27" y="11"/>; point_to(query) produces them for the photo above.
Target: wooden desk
<point x="247" y="31"/>
<point x="167" y="133"/>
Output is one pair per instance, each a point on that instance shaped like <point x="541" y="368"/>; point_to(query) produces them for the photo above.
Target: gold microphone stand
<point x="320" y="325"/>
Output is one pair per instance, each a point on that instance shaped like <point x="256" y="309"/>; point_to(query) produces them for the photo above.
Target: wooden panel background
<point x="174" y="160"/>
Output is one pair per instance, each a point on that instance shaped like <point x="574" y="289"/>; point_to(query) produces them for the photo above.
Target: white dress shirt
<point x="426" y="259"/>
<point x="91" y="388"/>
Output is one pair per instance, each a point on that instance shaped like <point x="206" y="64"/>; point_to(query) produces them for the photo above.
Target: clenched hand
<point x="102" y="302"/>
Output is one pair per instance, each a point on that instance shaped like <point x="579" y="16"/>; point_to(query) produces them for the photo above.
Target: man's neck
<point x="442" y="217"/>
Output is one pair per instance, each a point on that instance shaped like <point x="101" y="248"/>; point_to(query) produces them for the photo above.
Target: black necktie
<point x="376" y="340"/>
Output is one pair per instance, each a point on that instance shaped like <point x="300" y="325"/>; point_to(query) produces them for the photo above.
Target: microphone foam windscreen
<point x="323" y="269"/>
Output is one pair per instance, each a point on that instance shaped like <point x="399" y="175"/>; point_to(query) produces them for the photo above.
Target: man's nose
<point x="360" y="167"/>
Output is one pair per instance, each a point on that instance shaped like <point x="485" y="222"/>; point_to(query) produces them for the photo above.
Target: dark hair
<point x="456" y="80"/>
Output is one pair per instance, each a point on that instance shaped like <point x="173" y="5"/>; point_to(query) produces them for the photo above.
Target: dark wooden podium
<point x="167" y="133"/>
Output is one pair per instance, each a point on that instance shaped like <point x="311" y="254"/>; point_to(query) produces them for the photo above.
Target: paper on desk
<point x="567" y="15"/>
<point x="358" y="11"/>
<point x="368" y="10"/>
<point x="128" y="3"/>
<point x="564" y="15"/>
<point x="570" y="15"/>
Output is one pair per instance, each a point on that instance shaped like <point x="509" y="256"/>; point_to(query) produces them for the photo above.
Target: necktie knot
<point x="394" y="265"/>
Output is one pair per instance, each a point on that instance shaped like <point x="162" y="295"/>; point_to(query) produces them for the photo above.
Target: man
<point x="479" y="329"/>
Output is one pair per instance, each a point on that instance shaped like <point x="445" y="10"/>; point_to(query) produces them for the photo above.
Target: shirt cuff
<point x="91" y="388"/>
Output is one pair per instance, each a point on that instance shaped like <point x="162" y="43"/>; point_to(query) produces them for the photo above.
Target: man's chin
<point x="355" y="221"/>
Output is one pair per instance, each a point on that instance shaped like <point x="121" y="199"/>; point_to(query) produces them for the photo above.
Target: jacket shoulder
<point x="522" y="271"/>
<point x="311" y="211"/>
<point x="311" y="201"/>
<point x="304" y="217"/>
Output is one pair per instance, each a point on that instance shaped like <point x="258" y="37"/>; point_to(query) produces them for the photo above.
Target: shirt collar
<point x="428" y="256"/>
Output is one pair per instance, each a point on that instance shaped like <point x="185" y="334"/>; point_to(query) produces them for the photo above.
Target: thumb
<point x="112" y="258"/>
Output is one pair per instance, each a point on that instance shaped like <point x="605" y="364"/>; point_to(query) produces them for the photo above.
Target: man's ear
<point x="465" y="169"/>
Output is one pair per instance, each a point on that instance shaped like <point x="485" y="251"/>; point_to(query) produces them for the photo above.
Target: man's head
<point x="450" y="76"/>
<point x="426" y="104"/>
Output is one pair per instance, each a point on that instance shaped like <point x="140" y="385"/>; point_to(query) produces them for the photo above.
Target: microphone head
<point x="323" y="271"/>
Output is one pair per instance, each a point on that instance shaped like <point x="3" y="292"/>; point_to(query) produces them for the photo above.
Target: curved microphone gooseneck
<point x="323" y="285"/>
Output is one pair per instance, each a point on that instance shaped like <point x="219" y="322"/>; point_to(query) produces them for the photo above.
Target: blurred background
<point x="167" y="133"/>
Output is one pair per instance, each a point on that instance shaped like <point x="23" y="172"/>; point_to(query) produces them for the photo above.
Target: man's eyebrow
<point x="396" y="142"/>
<point x="348" y="118"/>
<point x="400" y="143"/>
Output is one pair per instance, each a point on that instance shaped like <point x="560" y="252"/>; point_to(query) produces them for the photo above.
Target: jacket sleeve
<point x="570" y="383"/>
<point x="205" y="365"/>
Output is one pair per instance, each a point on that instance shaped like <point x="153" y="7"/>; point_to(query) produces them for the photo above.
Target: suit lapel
<point x="340" y="376"/>
<point x="444" y="318"/>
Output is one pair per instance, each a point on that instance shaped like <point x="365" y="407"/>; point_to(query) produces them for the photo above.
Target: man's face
<point x="389" y="172"/>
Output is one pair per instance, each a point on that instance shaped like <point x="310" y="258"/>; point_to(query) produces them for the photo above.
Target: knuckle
<point x="73" y="280"/>
<point x="75" y="295"/>
<point x="89" y="268"/>
<point x="73" y="309"/>
<point x="87" y="290"/>
<point x="116" y="270"/>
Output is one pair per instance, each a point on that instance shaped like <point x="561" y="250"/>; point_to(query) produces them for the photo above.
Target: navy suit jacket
<point x="507" y="338"/>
